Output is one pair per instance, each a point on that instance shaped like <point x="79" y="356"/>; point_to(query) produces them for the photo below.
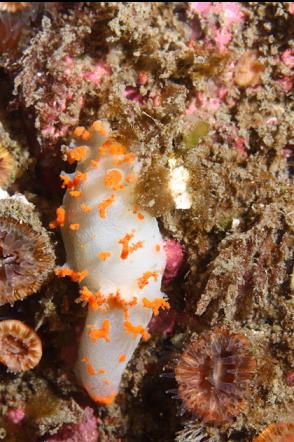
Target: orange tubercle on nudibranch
<point x="156" y="304"/>
<point x="214" y="374"/>
<point x="136" y="330"/>
<point x="100" y="333"/>
<point x="85" y="208"/>
<point x="21" y="348"/>
<point x="60" y="218"/>
<point x="99" y="127"/>
<point x="144" y="280"/>
<point x="122" y="358"/>
<point x="75" y="193"/>
<point x="77" y="154"/>
<point x="126" y="248"/>
<point x="278" y="432"/>
<point x="113" y="179"/>
<point x="72" y="184"/>
<point x="75" y="276"/>
<point x="103" y="256"/>
<point x="90" y="368"/>
<point x="102" y="207"/>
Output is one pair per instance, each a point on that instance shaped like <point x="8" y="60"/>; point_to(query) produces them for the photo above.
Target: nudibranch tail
<point x="115" y="251"/>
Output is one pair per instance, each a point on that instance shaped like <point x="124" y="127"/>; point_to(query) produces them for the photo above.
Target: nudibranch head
<point x="114" y="250"/>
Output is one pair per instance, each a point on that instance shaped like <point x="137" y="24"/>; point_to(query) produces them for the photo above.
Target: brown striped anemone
<point x="214" y="375"/>
<point x="26" y="259"/>
<point x="21" y="348"/>
<point x="280" y="432"/>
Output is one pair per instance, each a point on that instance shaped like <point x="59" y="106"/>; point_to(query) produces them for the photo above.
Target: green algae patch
<point x="192" y="138"/>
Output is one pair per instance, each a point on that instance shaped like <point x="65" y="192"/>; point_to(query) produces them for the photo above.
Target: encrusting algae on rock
<point x="115" y="251"/>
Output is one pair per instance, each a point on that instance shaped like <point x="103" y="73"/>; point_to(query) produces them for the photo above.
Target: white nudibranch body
<point x="115" y="251"/>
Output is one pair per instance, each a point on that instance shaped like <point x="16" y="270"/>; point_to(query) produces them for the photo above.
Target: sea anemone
<point x="280" y="432"/>
<point x="193" y="432"/>
<point x="21" y="348"/>
<point x="214" y="375"/>
<point x="27" y="257"/>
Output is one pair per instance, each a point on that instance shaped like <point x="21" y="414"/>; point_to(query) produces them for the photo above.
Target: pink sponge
<point x="85" y="431"/>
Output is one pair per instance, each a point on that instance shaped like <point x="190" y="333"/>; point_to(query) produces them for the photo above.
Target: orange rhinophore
<point x="103" y="256"/>
<point x="156" y="304"/>
<point x="60" y="218"/>
<point x="144" y="280"/>
<point x="112" y="180"/>
<point x="100" y="333"/>
<point x="75" y="276"/>
<point x="136" y="329"/>
<point x="126" y="248"/>
<point x="77" y="154"/>
<point x="104" y="205"/>
<point x="82" y="132"/>
<point x="99" y="127"/>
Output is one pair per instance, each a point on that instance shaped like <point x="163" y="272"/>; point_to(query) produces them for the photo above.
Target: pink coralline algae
<point x="133" y="94"/>
<point x="288" y="58"/>
<point x="85" y="431"/>
<point x="175" y="256"/>
<point x="75" y="74"/>
<point x="290" y="378"/>
<point x="15" y="415"/>
<point x="221" y="17"/>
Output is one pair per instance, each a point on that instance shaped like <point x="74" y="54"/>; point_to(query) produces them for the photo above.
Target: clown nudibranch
<point x="115" y="251"/>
